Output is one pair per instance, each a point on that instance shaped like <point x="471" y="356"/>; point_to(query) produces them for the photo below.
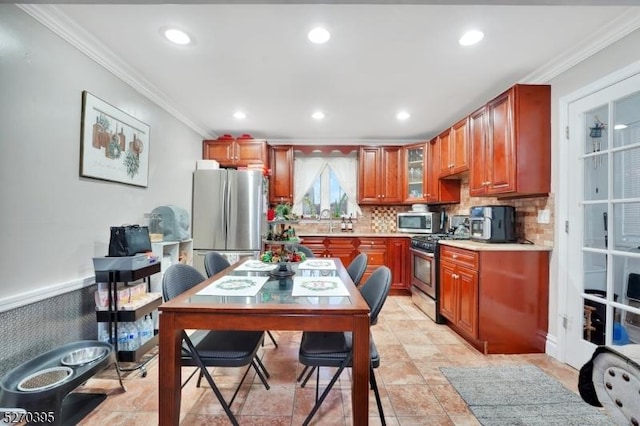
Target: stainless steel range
<point x="424" y="273"/>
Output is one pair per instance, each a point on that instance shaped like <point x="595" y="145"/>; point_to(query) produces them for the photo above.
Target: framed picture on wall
<point x="114" y="146"/>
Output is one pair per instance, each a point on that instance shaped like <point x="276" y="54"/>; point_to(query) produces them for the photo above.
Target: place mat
<point x="318" y="264"/>
<point x="318" y="286"/>
<point x="504" y="395"/>
<point x="234" y="286"/>
<point x="256" y="266"/>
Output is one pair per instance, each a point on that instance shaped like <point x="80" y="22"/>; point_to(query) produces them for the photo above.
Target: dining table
<point x="315" y="295"/>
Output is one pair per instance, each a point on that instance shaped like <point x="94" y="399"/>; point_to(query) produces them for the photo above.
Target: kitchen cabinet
<point x="232" y="152"/>
<point x="376" y="251"/>
<point x="494" y="297"/>
<point x="459" y="289"/>
<point x="380" y="177"/>
<point x="343" y="248"/>
<point x="397" y="249"/>
<point x="422" y="176"/>
<point x="454" y="149"/>
<point x="316" y="245"/>
<point x="281" y="177"/>
<point x="510" y="144"/>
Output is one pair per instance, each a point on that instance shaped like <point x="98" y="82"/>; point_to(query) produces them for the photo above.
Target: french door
<point x="603" y="238"/>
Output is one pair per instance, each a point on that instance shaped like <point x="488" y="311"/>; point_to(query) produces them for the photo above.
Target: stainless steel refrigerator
<point x="227" y="213"/>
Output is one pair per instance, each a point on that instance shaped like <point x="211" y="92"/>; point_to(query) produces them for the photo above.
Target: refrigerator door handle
<point x="225" y="208"/>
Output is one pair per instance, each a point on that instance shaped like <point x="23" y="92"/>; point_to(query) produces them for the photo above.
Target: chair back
<point x="376" y="290"/>
<point x="214" y="262"/>
<point x="357" y="267"/>
<point x="179" y="278"/>
<point x="304" y="249"/>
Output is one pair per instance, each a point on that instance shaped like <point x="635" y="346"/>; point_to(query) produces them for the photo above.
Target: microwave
<point x="493" y="224"/>
<point x="418" y="222"/>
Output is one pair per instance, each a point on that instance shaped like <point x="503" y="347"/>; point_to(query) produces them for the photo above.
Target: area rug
<point x="520" y="395"/>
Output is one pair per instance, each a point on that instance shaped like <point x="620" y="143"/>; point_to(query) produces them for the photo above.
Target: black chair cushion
<point x="224" y="348"/>
<point x="329" y="349"/>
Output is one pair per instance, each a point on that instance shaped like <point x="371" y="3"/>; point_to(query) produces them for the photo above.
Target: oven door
<point x="423" y="272"/>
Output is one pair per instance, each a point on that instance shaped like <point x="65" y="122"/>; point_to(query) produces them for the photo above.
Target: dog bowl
<point x="84" y="356"/>
<point x="45" y="379"/>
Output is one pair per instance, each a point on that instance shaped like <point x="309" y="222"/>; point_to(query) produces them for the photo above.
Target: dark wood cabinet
<point x="496" y="299"/>
<point x="376" y="251"/>
<point x="281" y="177"/>
<point x="459" y="289"/>
<point x="510" y="143"/>
<point x="343" y="248"/>
<point x="397" y="249"/>
<point x="232" y="152"/>
<point x="380" y="177"/>
<point x="454" y="149"/>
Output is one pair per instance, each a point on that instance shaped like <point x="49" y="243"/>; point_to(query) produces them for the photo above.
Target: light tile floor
<point x="413" y="390"/>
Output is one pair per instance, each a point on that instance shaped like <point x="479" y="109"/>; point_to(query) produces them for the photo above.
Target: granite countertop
<point x="354" y="234"/>
<point x="476" y="246"/>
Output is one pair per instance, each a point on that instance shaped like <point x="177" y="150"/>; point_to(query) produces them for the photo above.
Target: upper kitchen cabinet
<point x="510" y="142"/>
<point x="281" y="177"/>
<point x="380" y="179"/>
<point x="422" y="171"/>
<point x="232" y="152"/>
<point x="454" y="149"/>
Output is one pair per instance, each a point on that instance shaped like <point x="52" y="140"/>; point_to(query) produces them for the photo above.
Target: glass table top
<point x="277" y="290"/>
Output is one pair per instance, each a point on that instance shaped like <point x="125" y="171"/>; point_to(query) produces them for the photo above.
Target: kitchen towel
<point x="234" y="286"/>
<point x="318" y="264"/>
<point x="318" y="287"/>
<point x="256" y="266"/>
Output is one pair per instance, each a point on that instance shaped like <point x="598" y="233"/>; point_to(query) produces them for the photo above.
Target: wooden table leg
<point x="361" y="361"/>
<point x="169" y="374"/>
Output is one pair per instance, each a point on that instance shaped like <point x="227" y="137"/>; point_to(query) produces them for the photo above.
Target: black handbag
<point x="128" y="240"/>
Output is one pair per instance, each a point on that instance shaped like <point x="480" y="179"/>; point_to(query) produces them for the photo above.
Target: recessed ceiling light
<point x="403" y="115"/>
<point x="471" y="37"/>
<point x="319" y="35"/>
<point x="177" y="36"/>
<point x="239" y="115"/>
<point x="318" y="115"/>
<point x="620" y="126"/>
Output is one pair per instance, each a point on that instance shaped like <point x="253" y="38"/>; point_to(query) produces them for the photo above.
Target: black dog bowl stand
<point x="66" y="408"/>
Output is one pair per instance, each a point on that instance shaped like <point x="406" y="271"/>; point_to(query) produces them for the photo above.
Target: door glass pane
<point x="596" y="170"/>
<point x="626" y="180"/>
<point x="596" y="130"/>
<point x="595" y="271"/>
<point x="594" y="225"/>
<point x="626" y="120"/>
<point x="594" y="322"/>
<point x="626" y="226"/>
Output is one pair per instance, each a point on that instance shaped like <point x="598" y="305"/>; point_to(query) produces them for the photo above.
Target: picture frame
<point x="114" y="146"/>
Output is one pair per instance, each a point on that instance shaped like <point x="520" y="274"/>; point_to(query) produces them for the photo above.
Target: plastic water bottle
<point x="133" y="337"/>
<point x="143" y="330"/>
<point x="123" y="337"/>
<point x="148" y="327"/>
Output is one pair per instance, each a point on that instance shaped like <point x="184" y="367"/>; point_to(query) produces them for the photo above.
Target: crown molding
<point x="51" y="17"/>
<point x="600" y="39"/>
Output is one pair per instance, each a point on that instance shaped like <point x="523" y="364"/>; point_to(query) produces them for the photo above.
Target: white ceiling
<point x="381" y="58"/>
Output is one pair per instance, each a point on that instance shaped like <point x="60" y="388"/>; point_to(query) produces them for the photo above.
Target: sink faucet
<point x="326" y="214"/>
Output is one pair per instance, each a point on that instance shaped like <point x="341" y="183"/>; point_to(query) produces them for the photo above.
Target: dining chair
<point x="335" y="349"/>
<point x="214" y="348"/>
<point x="357" y="267"/>
<point x="304" y="249"/>
<point x="356" y="270"/>
<point x="214" y="262"/>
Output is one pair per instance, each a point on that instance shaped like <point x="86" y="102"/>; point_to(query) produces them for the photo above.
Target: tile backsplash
<point x="382" y="219"/>
<point x="527" y="226"/>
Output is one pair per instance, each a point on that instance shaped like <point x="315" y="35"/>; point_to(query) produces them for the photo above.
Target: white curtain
<point x="345" y="170"/>
<point x="305" y="172"/>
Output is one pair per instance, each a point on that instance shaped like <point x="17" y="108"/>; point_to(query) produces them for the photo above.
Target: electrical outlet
<point x="544" y="216"/>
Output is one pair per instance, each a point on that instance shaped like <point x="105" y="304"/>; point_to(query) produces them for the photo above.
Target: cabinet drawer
<point x="460" y="257"/>
<point x="340" y="242"/>
<point x="373" y="242"/>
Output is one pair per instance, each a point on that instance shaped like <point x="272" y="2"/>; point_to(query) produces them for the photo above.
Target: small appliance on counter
<point x="493" y="224"/>
<point x="418" y="222"/>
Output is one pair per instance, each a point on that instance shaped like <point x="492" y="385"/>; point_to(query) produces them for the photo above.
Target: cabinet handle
<point x="455" y="256"/>
<point x="451" y="165"/>
<point x="383" y="195"/>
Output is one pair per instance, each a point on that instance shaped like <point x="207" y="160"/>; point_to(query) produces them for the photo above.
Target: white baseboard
<point x="551" y="348"/>
<point x="33" y="296"/>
